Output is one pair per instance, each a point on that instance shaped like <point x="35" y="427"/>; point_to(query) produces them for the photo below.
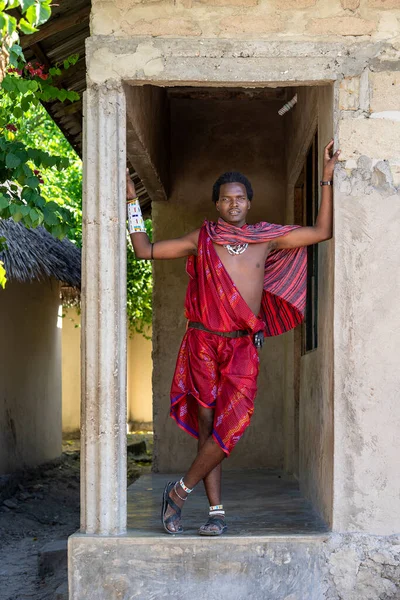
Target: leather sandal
<point x="166" y="502"/>
<point x="217" y="521"/>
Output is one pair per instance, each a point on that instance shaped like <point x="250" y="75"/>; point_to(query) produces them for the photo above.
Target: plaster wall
<point x="250" y="19"/>
<point x="139" y="372"/>
<point x="367" y="336"/>
<point x="208" y="138"/>
<point x="71" y="370"/>
<point x="315" y="415"/>
<point x="30" y="383"/>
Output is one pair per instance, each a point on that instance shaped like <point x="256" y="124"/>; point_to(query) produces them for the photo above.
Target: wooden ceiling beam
<point x="55" y="26"/>
<point x="40" y="55"/>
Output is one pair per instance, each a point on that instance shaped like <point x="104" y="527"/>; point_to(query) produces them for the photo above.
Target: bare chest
<point x="250" y="263"/>
<point x="246" y="271"/>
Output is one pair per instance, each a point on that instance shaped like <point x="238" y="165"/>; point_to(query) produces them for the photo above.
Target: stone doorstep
<point x="174" y="567"/>
<point x="274" y="567"/>
<point x="52" y="557"/>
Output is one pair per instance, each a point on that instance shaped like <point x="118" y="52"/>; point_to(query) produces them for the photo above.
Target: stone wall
<point x="247" y="19"/>
<point x="366" y="322"/>
<point x="277" y="567"/>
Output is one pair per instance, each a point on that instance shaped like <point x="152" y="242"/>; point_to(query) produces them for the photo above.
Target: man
<point x="245" y="281"/>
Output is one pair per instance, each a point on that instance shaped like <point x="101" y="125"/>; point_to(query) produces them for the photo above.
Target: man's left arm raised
<point x="322" y="230"/>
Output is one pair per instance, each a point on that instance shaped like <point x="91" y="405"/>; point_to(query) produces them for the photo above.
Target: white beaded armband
<point x="135" y="218"/>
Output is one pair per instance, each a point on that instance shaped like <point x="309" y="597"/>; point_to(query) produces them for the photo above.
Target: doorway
<point x="212" y="130"/>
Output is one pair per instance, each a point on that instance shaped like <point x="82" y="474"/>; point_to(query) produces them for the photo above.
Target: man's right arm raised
<point x="144" y="249"/>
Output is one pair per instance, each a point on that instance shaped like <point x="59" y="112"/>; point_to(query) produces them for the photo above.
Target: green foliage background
<point x="139" y="289"/>
<point x="37" y="130"/>
<point x="40" y="173"/>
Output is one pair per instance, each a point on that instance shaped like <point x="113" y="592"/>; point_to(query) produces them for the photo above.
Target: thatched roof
<point x="34" y="254"/>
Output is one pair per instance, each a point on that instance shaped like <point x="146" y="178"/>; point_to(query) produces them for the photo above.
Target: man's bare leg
<point x="212" y="481"/>
<point x="208" y="459"/>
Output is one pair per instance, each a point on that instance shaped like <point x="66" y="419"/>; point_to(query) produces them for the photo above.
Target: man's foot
<point x="171" y="508"/>
<point x="215" y="526"/>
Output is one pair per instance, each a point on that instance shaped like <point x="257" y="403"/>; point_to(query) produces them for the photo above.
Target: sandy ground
<point x="40" y="506"/>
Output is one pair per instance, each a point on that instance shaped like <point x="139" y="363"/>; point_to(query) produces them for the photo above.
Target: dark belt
<point x="228" y="334"/>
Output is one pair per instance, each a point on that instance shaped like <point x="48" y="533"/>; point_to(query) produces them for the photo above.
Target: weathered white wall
<point x="139" y="372"/>
<point x="71" y="370"/>
<point x="366" y="322"/>
<point x="247" y="19"/>
<point x="208" y="138"/>
<point x="30" y="382"/>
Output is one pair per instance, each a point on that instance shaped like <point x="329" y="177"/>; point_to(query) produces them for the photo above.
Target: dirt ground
<point x="41" y="505"/>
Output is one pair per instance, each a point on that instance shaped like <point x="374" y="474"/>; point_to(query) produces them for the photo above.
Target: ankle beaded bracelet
<point x="184" y="487"/>
<point x="178" y="494"/>
<point x="217" y="509"/>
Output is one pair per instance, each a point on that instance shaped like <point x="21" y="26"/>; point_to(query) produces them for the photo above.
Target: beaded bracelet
<point x="135" y="217"/>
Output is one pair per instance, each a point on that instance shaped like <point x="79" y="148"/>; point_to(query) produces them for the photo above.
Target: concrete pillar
<point x="366" y="315"/>
<point x="103" y="477"/>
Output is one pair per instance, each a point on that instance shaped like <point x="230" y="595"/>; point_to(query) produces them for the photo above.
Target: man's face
<point x="233" y="204"/>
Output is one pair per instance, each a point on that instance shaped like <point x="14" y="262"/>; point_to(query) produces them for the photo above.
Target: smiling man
<point x="246" y="282"/>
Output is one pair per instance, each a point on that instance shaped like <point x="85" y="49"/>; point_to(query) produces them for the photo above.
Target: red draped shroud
<point x="284" y="298"/>
<point x="213" y="300"/>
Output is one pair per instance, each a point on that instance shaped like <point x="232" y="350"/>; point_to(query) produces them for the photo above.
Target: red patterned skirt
<point x="219" y="373"/>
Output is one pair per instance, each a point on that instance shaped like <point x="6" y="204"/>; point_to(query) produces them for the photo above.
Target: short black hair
<point x="231" y="177"/>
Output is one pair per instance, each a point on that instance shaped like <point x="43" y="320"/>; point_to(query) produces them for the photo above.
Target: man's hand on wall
<point x="130" y="187"/>
<point x="330" y="161"/>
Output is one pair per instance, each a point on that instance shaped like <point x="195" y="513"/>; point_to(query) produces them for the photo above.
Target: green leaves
<point x="14" y="84"/>
<point x="25" y="4"/>
<point x="32" y="182"/>
<point x="8" y="24"/>
<point x="51" y="92"/>
<point x="12" y="161"/>
<point x="35" y="13"/>
<point x="4" y="203"/>
<point x="37" y="165"/>
<point x="26" y="27"/>
<point x="16" y="55"/>
<point x="3" y="278"/>
<point x="20" y="197"/>
<point x="38" y="13"/>
<point x="139" y="289"/>
<point x="49" y="215"/>
<point x="26" y="103"/>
